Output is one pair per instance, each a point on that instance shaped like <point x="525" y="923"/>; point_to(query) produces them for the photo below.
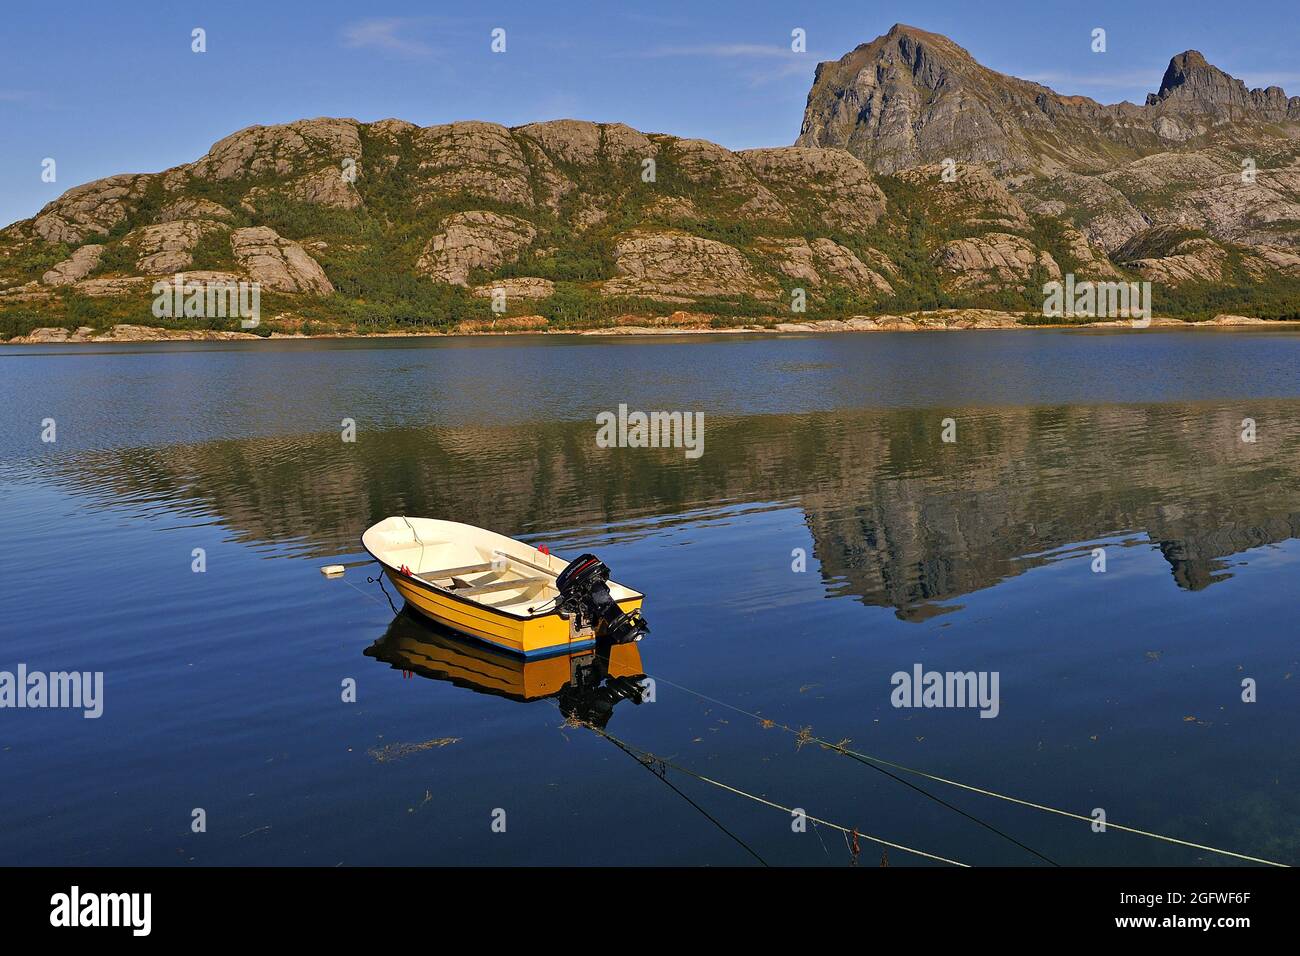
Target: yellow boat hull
<point x="539" y="636"/>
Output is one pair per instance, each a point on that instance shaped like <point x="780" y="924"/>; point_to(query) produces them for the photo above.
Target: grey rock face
<point x="676" y="266"/>
<point x="991" y="260"/>
<point x="1192" y="85"/>
<point x="279" y="264"/>
<point x="910" y="98"/>
<point x="76" y="267"/>
<point x="466" y="241"/>
<point x="169" y="246"/>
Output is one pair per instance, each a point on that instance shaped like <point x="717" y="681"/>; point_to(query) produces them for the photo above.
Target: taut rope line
<point x="663" y="777"/>
<point x="869" y="759"/>
<point x="647" y="755"/>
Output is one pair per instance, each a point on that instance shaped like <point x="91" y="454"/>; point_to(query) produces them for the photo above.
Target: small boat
<point x="502" y="591"/>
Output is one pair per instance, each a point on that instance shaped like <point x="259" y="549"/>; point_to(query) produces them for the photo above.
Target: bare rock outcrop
<point x="478" y="160"/>
<point x="1193" y="87"/>
<point x="193" y="208"/>
<point x="523" y="287"/>
<point x="104" y="287"/>
<point x="26" y="292"/>
<point x="1194" y="260"/>
<point x="1103" y="213"/>
<point x="824" y="261"/>
<point x="677" y="267"/>
<point x="1207" y="189"/>
<point x="673" y="209"/>
<point x="834" y="186"/>
<point x="46" y="335"/>
<point x="991" y="260"/>
<point x="1091" y="264"/>
<point x="169" y="246"/>
<point x="563" y="155"/>
<point x="727" y="177"/>
<point x="90" y="210"/>
<point x="970" y="195"/>
<point x="909" y="97"/>
<point x="76" y="267"/>
<point x="1231" y="210"/>
<point x="143" y="333"/>
<point x="280" y="150"/>
<point x="126" y="333"/>
<point x="840" y="265"/>
<point x="1265" y="262"/>
<point x="466" y="241"/>
<point x="279" y="264"/>
<point x="324" y="187"/>
<point x="582" y="143"/>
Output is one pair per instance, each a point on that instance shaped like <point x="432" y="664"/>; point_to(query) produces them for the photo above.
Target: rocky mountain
<point x="1205" y="174"/>
<point x="909" y="98"/>
<point x="920" y="181"/>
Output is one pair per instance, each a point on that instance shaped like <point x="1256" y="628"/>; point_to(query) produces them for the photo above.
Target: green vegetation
<point x="370" y="253"/>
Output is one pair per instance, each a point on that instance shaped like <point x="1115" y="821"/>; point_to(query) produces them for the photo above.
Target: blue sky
<point x="105" y="88"/>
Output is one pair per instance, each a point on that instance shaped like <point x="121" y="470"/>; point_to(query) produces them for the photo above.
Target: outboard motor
<point x="584" y="594"/>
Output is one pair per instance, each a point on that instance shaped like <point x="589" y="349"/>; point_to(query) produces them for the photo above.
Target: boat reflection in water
<point x="587" y="684"/>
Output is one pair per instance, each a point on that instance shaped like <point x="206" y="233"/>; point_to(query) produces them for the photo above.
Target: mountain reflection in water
<point x="898" y="518"/>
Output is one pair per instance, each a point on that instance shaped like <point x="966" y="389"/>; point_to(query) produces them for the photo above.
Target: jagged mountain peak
<point x="1190" y="71"/>
<point x="908" y="45"/>
<point x="910" y="98"/>
<point x="903" y="30"/>
<point x="1192" y="84"/>
<point x="1187" y="60"/>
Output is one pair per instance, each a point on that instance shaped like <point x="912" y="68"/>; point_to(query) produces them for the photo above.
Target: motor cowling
<point x="584" y="594"/>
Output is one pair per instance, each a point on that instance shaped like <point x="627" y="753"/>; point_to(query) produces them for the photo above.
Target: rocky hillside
<point x="1198" y="186"/>
<point x="389" y="223"/>
<point x="921" y="181"/>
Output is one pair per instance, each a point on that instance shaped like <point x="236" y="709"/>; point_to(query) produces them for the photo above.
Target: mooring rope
<point x="415" y="534"/>
<point x="879" y="763"/>
<point x="663" y="778"/>
<point x="368" y="597"/>
<point x="848" y="831"/>
<point x="378" y="579"/>
<point x="870" y="760"/>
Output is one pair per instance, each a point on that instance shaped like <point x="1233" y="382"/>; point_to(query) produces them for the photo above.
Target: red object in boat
<point x="544" y="549"/>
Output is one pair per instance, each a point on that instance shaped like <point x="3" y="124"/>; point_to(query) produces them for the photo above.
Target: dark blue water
<point x="1119" y="690"/>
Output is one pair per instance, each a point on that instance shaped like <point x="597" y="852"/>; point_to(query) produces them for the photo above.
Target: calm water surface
<point x="1119" y="690"/>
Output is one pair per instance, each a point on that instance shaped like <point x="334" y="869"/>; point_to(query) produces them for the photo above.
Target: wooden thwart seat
<point x="504" y="585"/>
<point x="503" y="564"/>
<point x="432" y="576"/>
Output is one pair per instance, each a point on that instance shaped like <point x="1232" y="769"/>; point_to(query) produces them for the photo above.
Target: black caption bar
<point x="210" y="905"/>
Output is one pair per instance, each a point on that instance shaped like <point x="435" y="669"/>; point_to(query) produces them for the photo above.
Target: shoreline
<point x="958" y="320"/>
